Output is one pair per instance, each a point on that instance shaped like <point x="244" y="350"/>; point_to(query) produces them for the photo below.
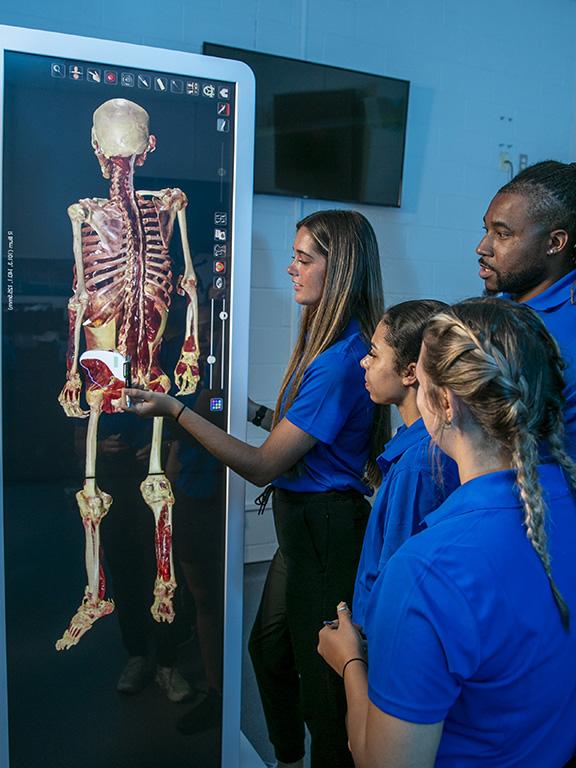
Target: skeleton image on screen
<point x="118" y="313"/>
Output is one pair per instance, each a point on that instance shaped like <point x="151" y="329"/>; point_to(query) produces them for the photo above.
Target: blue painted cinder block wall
<point x="500" y="72"/>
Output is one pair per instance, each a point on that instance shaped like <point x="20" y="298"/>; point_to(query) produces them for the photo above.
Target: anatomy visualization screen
<point x="118" y="220"/>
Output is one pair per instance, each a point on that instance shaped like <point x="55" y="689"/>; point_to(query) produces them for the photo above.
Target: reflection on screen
<point x="323" y="131"/>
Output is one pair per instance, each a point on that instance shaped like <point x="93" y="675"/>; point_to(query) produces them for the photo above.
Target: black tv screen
<point x="325" y="132"/>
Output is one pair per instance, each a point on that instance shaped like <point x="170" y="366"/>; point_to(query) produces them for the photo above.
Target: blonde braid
<point x="525" y="457"/>
<point x="465" y="343"/>
<point x="525" y="461"/>
<point x="484" y="365"/>
<point x="479" y="350"/>
<point x="558" y="451"/>
<point x="554" y="433"/>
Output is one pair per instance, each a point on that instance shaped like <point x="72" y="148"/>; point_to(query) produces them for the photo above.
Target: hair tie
<point x="355" y="658"/>
<point x="180" y="412"/>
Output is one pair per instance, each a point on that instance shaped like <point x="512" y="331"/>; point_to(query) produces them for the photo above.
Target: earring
<point x="447" y="424"/>
<point x="551" y="252"/>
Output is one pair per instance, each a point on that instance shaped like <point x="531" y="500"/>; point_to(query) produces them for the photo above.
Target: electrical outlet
<point x="522" y="162"/>
<point x="504" y="161"/>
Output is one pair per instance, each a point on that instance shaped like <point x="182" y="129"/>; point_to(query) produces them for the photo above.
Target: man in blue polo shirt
<point x="528" y="254"/>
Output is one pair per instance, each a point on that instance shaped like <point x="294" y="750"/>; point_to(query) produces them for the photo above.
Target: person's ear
<point x="557" y="241"/>
<point x="449" y="407"/>
<point x="409" y="375"/>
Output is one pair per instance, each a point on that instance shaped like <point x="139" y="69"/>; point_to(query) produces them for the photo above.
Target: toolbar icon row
<point x="143" y="80"/>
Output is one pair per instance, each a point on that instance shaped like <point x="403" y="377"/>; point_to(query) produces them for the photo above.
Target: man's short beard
<point x="519" y="283"/>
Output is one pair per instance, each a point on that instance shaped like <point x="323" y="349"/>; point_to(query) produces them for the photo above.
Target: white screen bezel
<point x="203" y="67"/>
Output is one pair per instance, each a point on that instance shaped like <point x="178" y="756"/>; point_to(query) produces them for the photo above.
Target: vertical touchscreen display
<point x="117" y="220"/>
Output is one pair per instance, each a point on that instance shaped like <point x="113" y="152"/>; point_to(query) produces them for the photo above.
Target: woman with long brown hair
<point x="320" y="458"/>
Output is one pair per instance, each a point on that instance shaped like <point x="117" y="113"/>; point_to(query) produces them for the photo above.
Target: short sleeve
<point x="330" y="391"/>
<point x="413" y="494"/>
<point x="423" y="640"/>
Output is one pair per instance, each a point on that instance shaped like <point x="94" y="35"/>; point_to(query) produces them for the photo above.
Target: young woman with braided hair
<point x="470" y="628"/>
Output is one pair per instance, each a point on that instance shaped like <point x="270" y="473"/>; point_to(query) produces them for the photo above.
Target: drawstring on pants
<point x="262" y="499"/>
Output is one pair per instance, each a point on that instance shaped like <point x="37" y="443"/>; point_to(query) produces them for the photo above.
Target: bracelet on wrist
<point x="180" y="412"/>
<point x="259" y="415"/>
<point x="355" y="658"/>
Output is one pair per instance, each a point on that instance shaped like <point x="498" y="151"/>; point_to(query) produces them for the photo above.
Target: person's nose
<point x="292" y="268"/>
<point x="484" y="247"/>
<point x="364" y="362"/>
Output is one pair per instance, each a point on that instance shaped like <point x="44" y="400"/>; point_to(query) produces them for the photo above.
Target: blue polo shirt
<point x="462" y="627"/>
<point x="333" y="406"/>
<point x="416" y="478"/>
<point x="557" y="311"/>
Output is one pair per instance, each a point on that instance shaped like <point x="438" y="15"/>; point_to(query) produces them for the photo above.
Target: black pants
<point x="320" y="537"/>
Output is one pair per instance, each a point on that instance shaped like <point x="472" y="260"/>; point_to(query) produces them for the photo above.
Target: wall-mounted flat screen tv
<point x="325" y="132"/>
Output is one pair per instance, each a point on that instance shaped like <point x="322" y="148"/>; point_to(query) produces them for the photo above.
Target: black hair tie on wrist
<point x="180" y="412"/>
<point x="356" y="658"/>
